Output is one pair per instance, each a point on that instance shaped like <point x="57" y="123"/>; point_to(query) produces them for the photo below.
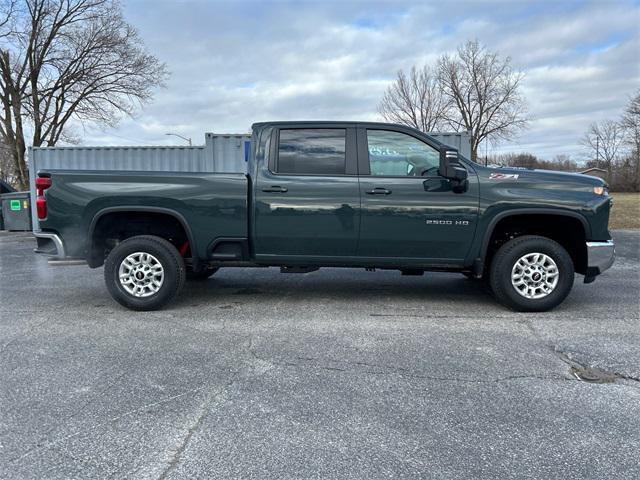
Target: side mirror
<point x="448" y="162"/>
<point x="450" y="168"/>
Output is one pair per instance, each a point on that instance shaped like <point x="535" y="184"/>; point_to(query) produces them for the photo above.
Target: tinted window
<point x="312" y="151"/>
<point x="398" y="154"/>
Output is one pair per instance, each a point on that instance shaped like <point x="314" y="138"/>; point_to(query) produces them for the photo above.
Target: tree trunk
<point x="19" y="145"/>
<point x="474" y="150"/>
<point x="635" y="156"/>
<point x="19" y="165"/>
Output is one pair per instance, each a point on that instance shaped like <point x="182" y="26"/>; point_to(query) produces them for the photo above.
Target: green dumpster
<point x="16" y="211"/>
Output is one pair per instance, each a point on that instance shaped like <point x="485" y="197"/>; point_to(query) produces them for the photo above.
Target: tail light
<point x="42" y="183"/>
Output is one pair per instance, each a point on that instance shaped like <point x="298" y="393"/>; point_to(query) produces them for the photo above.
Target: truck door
<point x="307" y="200"/>
<point x="408" y="210"/>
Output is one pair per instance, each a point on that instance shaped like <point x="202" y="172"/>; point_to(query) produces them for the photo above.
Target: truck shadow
<point x="335" y="285"/>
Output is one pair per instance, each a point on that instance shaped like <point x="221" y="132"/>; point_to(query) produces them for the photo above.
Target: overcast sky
<point x="235" y="63"/>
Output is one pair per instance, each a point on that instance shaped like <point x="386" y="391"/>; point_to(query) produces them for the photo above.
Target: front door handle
<point x="275" y="189"/>
<point x="378" y="191"/>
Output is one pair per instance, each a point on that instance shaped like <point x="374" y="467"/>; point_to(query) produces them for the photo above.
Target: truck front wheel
<point x="531" y="274"/>
<point x="144" y="272"/>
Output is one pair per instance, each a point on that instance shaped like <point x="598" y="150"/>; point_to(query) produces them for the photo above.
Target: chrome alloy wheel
<point x="535" y="275"/>
<point x="141" y="274"/>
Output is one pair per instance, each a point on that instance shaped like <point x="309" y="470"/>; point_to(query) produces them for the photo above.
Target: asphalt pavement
<point x="338" y="373"/>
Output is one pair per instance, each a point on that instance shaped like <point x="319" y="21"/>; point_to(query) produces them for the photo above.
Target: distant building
<point x="595" y="172"/>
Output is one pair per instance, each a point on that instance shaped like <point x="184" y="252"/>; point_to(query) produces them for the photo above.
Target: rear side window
<point x="312" y="151"/>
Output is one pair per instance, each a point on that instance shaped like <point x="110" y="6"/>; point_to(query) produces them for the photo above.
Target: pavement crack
<point x="579" y="370"/>
<point x="364" y="368"/>
<point x="45" y="441"/>
<point x="155" y="404"/>
<point x="206" y="408"/>
<point x="44" y="444"/>
<point x="250" y="349"/>
<point x="475" y="380"/>
<point x="593" y="374"/>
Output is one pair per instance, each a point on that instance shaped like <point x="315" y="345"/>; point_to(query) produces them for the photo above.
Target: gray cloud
<point x="239" y="62"/>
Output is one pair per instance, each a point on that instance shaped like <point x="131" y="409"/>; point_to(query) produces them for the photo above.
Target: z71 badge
<point x="503" y="176"/>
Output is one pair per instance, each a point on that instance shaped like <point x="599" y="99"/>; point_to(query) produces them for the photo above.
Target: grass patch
<point x="625" y="213"/>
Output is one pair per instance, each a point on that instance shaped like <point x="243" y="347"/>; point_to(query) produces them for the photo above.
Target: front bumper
<point x="600" y="256"/>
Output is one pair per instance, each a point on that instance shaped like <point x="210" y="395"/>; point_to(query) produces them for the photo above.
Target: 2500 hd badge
<point x="448" y="222"/>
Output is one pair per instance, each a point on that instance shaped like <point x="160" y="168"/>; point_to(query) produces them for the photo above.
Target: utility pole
<point x="597" y="152"/>
<point x="486" y="156"/>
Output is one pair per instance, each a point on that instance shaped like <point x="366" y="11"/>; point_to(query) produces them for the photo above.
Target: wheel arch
<point x="100" y="214"/>
<point x="485" y="252"/>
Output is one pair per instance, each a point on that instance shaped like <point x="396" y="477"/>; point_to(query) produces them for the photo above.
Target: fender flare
<point x="525" y="211"/>
<point x="136" y="209"/>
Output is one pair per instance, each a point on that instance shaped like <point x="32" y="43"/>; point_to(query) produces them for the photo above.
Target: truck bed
<point x="211" y="205"/>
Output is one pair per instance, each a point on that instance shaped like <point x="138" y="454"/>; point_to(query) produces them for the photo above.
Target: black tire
<point x="503" y="263"/>
<point x="200" y="275"/>
<point x="166" y="255"/>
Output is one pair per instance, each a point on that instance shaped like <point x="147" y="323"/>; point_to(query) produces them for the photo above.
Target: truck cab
<point x="365" y="194"/>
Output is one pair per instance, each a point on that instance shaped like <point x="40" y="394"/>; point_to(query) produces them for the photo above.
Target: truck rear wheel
<point x="144" y="272"/>
<point x="531" y="274"/>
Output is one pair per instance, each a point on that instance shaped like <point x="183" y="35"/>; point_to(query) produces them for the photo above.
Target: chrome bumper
<point x="49" y="244"/>
<point x="600" y="256"/>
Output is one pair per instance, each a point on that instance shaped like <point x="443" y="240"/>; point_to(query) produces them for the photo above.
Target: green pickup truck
<point x="332" y="194"/>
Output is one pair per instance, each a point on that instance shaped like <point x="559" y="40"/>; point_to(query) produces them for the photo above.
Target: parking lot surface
<point x="333" y="374"/>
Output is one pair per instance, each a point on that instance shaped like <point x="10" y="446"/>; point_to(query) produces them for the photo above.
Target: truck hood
<point x="525" y="175"/>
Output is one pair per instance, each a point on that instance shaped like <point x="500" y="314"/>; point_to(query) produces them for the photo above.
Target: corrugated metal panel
<point x="227" y="151"/>
<point x="458" y="140"/>
<point x="172" y="159"/>
<point x="221" y="153"/>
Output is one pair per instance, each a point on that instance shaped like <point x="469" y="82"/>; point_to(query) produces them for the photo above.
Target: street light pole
<point x="180" y="136"/>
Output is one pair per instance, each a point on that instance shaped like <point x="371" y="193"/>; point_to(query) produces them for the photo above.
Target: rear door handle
<point x="275" y="189"/>
<point x="378" y="191"/>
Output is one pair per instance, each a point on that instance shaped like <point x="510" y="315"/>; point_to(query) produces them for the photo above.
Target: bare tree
<point x="68" y="60"/>
<point x="604" y="142"/>
<point x="7" y="8"/>
<point x="484" y="91"/>
<point x="528" y="160"/>
<point x="6" y="164"/>
<point x="415" y="100"/>
<point x="631" y="124"/>
<point x="563" y="162"/>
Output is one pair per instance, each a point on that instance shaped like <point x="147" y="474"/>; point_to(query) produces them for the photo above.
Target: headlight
<point x="604" y="191"/>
